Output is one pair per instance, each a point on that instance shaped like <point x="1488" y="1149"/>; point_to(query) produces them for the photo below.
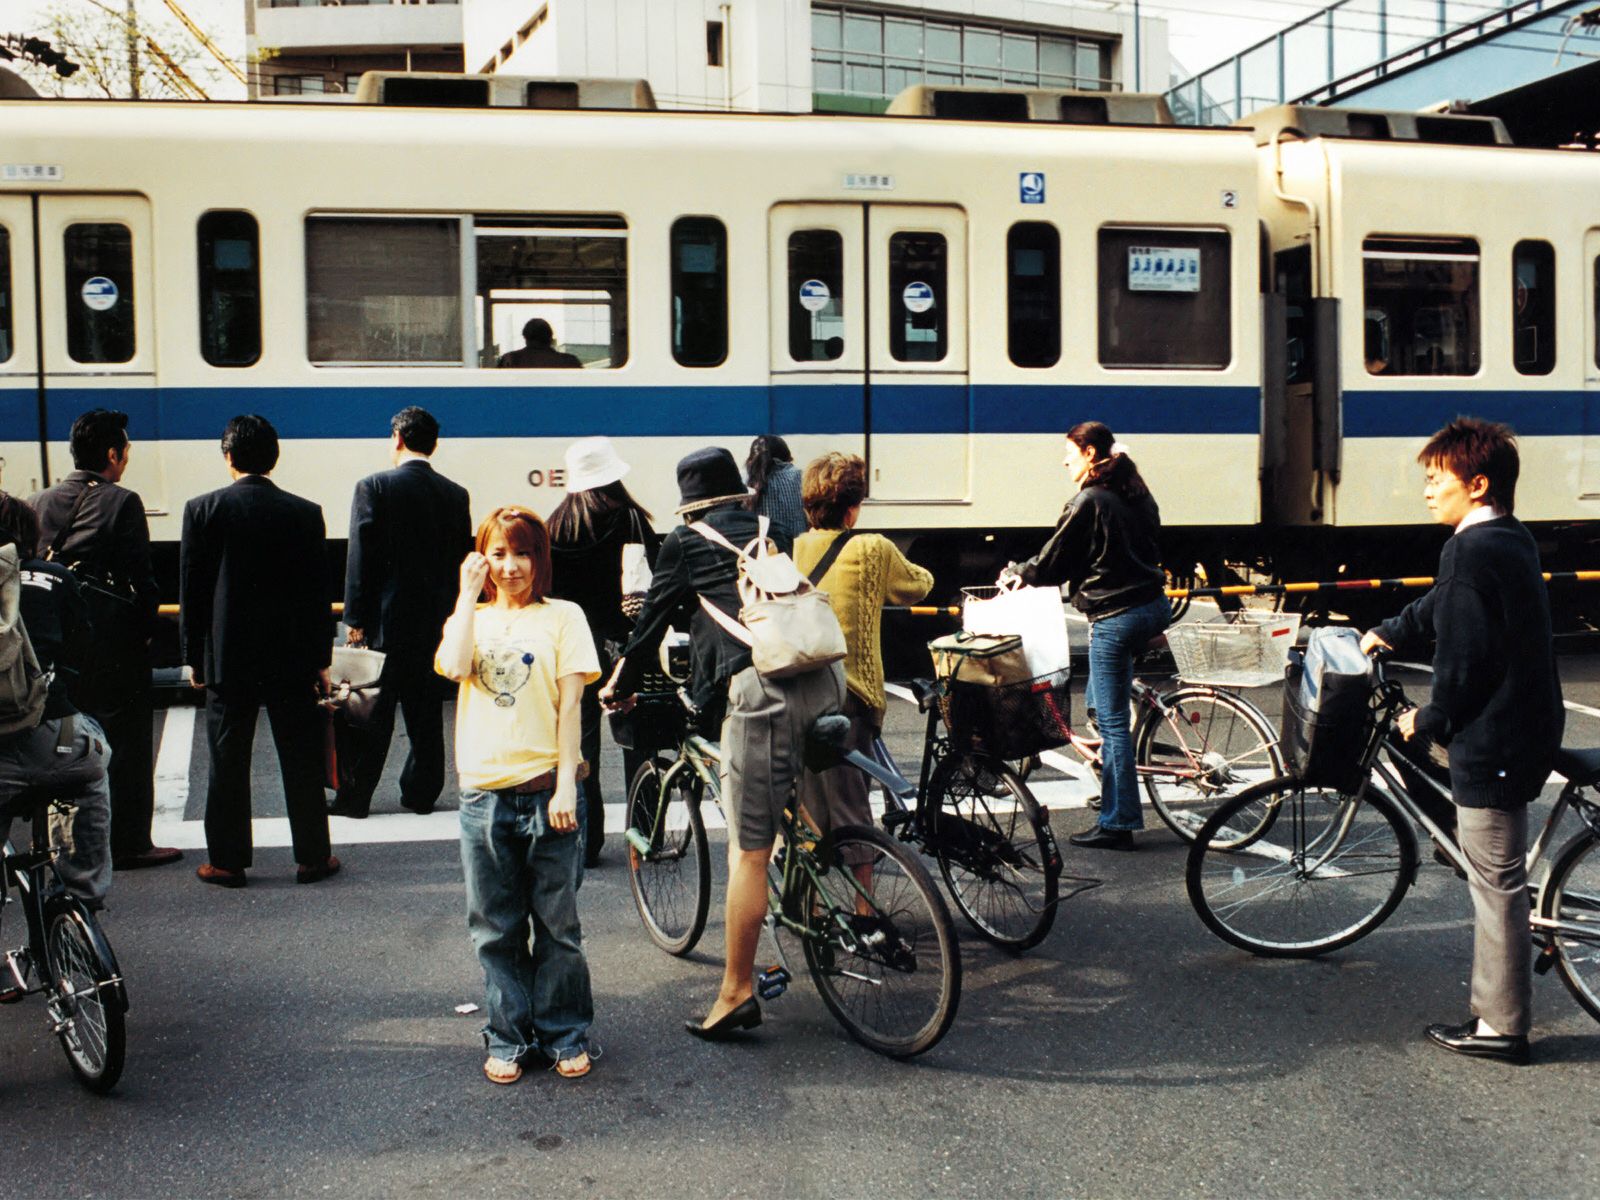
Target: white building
<point x="321" y="47"/>
<point x="823" y="55"/>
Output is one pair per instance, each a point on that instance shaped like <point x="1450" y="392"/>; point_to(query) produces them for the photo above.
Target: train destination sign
<point x="1163" y="269"/>
<point x="814" y="295"/>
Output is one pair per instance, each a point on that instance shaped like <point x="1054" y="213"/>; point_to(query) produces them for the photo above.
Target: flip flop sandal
<point x="574" y="1068"/>
<point x="498" y="1070"/>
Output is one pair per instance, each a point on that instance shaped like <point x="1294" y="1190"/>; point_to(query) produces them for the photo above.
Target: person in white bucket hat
<point x="588" y="530"/>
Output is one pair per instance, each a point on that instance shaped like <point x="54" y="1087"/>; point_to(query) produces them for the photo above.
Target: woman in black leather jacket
<point x="1106" y="548"/>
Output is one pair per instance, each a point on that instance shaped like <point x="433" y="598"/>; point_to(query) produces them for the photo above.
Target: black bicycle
<point x="66" y="957"/>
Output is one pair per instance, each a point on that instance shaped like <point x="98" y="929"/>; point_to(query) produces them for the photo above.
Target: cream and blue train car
<point x="944" y="298"/>
<point x="1423" y="268"/>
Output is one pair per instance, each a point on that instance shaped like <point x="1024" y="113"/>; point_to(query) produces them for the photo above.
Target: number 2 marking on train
<point x="1230" y="198"/>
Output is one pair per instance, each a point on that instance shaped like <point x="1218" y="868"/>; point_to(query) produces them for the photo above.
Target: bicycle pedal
<point x="773" y="982"/>
<point x="893" y="820"/>
<point x="1545" y="960"/>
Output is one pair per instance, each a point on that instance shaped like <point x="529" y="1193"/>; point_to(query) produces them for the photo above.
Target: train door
<point x="20" y="468"/>
<point x="869" y="315"/>
<point x="1589" y="484"/>
<point x="96" y="300"/>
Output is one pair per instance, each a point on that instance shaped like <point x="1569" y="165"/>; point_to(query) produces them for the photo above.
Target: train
<point x="1273" y="317"/>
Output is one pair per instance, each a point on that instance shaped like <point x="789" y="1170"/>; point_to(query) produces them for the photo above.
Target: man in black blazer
<point x="257" y="630"/>
<point x="91" y="524"/>
<point x="410" y="527"/>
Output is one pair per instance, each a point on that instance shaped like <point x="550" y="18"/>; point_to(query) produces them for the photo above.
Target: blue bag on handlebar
<point x="1327" y="710"/>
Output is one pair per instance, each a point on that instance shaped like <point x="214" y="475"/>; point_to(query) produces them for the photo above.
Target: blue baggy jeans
<point x="522" y="911"/>
<point x="1113" y="644"/>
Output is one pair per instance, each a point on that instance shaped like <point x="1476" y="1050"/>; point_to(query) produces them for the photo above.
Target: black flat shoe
<point x="420" y="810"/>
<point x="746" y="1016"/>
<point x="344" y="810"/>
<point x="1098" y="837"/>
<point x="1464" y="1039"/>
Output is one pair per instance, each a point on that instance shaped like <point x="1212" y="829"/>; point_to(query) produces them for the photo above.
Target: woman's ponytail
<point x="1114" y="469"/>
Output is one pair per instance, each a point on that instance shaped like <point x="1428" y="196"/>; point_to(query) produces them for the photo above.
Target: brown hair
<point x="19" y="524"/>
<point x="524" y="533"/>
<point x="831" y="487"/>
<point x="1115" y="472"/>
<point x="1468" y="447"/>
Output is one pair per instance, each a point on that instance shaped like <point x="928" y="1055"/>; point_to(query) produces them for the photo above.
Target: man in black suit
<point x="257" y="630"/>
<point x="410" y="527"/>
<point x="95" y="527"/>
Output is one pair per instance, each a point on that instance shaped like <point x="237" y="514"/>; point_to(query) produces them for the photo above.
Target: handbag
<point x="355" y="673"/>
<point x="636" y="573"/>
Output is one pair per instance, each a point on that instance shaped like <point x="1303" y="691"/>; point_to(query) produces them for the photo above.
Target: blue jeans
<point x="1113" y="643"/>
<point x="520" y="873"/>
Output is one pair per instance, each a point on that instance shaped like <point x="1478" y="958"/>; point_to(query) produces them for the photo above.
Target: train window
<point x="699" y="292"/>
<point x="383" y="290"/>
<point x="1421" y="306"/>
<point x="1166" y="298"/>
<point x="1033" y="294"/>
<point x="5" y="294"/>
<point x="230" y="289"/>
<point x="816" y="295"/>
<point x="1533" y="308"/>
<point x="1292" y="271"/>
<point x="552" y="292"/>
<point x="918" y="313"/>
<point x="99" y="262"/>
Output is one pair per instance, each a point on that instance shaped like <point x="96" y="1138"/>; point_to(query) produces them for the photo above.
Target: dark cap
<point x="707" y="478"/>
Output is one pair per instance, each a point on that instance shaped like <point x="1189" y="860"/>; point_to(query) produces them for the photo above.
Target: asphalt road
<point x="290" y="1040"/>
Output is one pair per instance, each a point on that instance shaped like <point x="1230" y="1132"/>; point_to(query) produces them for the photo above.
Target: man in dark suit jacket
<point x="410" y="527"/>
<point x="89" y="522"/>
<point x="257" y="630"/>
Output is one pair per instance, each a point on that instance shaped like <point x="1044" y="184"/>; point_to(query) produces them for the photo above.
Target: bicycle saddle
<point x="826" y="741"/>
<point x="924" y="691"/>
<point x="1581" y="767"/>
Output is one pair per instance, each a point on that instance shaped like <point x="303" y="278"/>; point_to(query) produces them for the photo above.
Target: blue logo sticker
<point x="1030" y="187"/>
<point x="99" y="293"/>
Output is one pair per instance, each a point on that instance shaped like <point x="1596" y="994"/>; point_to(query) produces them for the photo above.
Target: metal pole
<point x="1138" y="54"/>
<point x="133" y="49"/>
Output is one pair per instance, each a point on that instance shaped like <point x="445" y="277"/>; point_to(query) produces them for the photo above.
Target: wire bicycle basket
<point x="1249" y="649"/>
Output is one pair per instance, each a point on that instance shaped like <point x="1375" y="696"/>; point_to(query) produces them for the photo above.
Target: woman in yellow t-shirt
<point x="522" y="660"/>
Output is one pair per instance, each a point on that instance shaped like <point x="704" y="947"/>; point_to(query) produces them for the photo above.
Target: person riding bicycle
<point x="1496" y="704"/>
<point x="764" y="729"/>
<point x="66" y="753"/>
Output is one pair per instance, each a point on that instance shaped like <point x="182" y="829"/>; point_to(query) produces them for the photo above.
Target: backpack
<point x="788" y="624"/>
<point x="23" y="686"/>
<point x="1327" y="711"/>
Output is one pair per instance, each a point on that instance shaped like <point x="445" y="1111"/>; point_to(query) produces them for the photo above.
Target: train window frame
<point x="7" y="298"/>
<point x="238" y="225"/>
<point x="918" y="259"/>
<point x="803" y="321"/>
<point x="451" y="222"/>
<point x="611" y="294"/>
<point x="1538" y="304"/>
<point x="711" y="302"/>
<point x="1384" y="335"/>
<point x="1153" y="310"/>
<point x="88" y="325"/>
<point x="1019" y="328"/>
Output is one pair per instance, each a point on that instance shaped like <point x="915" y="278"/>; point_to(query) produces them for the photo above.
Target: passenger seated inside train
<point x="539" y="350"/>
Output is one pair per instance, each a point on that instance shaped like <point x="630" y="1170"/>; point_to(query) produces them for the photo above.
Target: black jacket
<point x="59" y="629"/>
<point x="688" y="567"/>
<point x="1107" y="549"/>
<point x="1496" y="696"/>
<point x="256" y="609"/>
<point x="589" y="573"/>
<point x="410" y="527"/>
<point x="109" y="534"/>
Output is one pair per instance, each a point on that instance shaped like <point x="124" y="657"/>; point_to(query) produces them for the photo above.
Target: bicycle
<point x="882" y="954"/>
<point x="1309" y="870"/>
<point x="66" y="957"/>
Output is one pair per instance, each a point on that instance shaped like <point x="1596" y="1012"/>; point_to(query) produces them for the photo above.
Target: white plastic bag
<point x="1033" y="613"/>
<point x="636" y="576"/>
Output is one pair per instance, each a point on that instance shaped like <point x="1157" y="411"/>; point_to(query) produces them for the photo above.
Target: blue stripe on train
<point x="1373" y="413"/>
<point x="181" y="414"/>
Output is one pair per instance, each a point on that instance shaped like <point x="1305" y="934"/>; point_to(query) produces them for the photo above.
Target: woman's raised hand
<point x="474" y="573"/>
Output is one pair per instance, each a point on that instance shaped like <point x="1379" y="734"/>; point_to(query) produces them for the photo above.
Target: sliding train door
<point x="1589" y="482"/>
<point x="20" y="465"/>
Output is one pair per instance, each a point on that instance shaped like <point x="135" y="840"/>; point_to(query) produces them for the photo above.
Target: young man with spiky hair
<point x="1496" y="705"/>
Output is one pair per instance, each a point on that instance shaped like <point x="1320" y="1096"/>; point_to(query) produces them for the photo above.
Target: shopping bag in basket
<point x="1032" y="613"/>
<point x="993" y="659"/>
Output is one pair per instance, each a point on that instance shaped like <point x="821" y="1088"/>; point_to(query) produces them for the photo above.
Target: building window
<point x="1533" y="308"/>
<point x="1166" y="299"/>
<point x="230" y="289"/>
<point x="1033" y="294"/>
<point x="699" y="292"/>
<point x="99" y="278"/>
<point x="552" y="292"/>
<point x="299" y="85"/>
<point x="816" y="295"/>
<point x="6" y="333"/>
<point x="863" y="52"/>
<point x="383" y="290"/>
<point x="713" y="43"/>
<point x="1421" y="306"/>
<point x="918" y="321"/>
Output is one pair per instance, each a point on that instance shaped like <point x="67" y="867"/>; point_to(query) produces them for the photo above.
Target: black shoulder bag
<point x="825" y="563"/>
<point x="110" y="601"/>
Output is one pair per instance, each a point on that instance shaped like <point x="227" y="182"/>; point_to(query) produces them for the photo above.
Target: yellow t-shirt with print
<point x="506" y="712"/>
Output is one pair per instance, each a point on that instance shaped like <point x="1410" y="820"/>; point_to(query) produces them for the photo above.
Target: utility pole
<point x="133" y="49"/>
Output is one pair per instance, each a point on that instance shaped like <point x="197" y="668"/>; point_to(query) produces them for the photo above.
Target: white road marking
<point x="172" y="764"/>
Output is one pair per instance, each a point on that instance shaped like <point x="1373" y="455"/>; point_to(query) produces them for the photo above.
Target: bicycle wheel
<point x="669" y="862"/>
<point x="1320" y="869"/>
<point x="1572" y="898"/>
<point x="883" y="954"/>
<point x="86" y="998"/>
<point x="1207" y="746"/>
<point x="994" y="848"/>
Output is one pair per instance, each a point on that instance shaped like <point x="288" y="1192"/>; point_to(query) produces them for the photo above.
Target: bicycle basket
<point x="652" y="725"/>
<point x="1012" y="720"/>
<point x="1247" y="650"/>
<point x="988" y="658"/>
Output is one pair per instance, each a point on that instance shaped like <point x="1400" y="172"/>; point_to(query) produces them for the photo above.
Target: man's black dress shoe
<point x="421" y="810"/>
<point x="337" y="809"/>
<point x="746" y="1016"/>
<point x="1464" y="1039"/>
<point x="1098" y="837"/>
